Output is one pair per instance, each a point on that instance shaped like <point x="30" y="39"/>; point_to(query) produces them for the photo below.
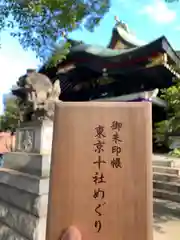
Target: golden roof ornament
<point x="116" y="19"/>
<point x="122" y="24"/>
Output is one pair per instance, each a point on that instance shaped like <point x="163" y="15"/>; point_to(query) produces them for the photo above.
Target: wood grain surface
<point x="101" y="174"/>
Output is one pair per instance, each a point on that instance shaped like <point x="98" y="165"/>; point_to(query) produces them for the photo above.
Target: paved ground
<point x="169" y="230"/>
<point x="166" y="223"/>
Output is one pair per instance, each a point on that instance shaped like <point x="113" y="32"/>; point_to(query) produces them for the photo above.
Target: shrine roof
<point x="155" y="62"/>
<point x="89" y="54"/>
<point x="93" y="50"/>
<point x="97" y="57"/>
<point x="132" y="52"/>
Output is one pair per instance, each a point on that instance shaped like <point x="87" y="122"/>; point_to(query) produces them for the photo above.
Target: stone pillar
<point x="24" y="183"/>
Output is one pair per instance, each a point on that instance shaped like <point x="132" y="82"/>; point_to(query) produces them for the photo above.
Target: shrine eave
<point x="97" y="58"/>
<point x="125" y="59"/>
<point x="164" y="71"/>
<point x="155" y="100"/>
<point x="159" y="76"/>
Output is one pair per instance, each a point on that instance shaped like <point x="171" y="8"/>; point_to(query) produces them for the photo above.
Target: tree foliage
<point x="38" y="24"/>
<point x="10" y="118"/>
<point x="171" y="126"/>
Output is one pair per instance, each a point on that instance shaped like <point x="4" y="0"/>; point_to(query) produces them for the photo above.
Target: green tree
<point x="171" y="126"/>
<point x="39" y="24"/>
<point x="10" y="118"/>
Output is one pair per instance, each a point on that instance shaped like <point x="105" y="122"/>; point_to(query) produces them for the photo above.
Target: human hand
<point x="72" y="233"/>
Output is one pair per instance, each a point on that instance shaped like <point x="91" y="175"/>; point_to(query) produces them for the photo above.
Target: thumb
<point x="72" y="233"/>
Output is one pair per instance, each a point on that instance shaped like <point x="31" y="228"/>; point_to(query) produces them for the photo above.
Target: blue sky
<point x="148" y="19"/>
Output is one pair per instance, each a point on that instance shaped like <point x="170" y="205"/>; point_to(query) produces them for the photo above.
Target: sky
<point x="148" y="19"/>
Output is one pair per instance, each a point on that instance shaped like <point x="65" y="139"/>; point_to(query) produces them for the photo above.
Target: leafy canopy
<point x="38" y="24"/>
<point x="11" y="116"/>
<point x="171" y="125"/>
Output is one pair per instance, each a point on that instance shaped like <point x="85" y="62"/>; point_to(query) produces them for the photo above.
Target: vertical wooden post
<point x="101" y="180"/>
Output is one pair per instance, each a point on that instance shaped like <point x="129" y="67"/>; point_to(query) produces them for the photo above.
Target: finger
<point x="72" y="234"/>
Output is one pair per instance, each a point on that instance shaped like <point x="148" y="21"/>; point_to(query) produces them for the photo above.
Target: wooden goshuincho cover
<point x="101" y="176"/>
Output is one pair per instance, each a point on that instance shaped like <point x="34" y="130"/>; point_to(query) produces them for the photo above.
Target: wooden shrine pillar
<point x="101" y="180"/>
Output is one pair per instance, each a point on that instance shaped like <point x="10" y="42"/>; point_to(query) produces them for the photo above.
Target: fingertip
<point x="72" y="233"/>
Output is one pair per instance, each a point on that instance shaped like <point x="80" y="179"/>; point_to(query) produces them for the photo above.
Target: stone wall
<point x="24" y="184"/>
